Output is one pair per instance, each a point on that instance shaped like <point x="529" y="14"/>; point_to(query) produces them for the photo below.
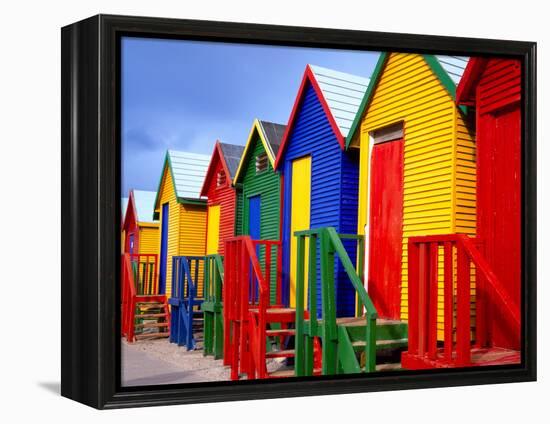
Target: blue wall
<point x="334" y="190"/>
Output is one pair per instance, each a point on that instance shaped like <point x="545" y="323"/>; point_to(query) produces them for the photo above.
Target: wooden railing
<point x="186" y="294"/>
<point x="330" y="243"/>
<point x="128" y="295"/>
<point x="459" y="254"/>
<point x="138" y="278"/>
<point x="145" y="273"/>
<point x="247" y="286"/>
<point x="212" y="305"/>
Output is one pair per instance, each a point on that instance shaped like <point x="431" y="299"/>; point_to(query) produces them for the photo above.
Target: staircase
<point x="212" y="306"/>
<point x="145" y="313"/>
<point x="463" y="345"/>
<point x="363" y="343"/>
<point x="187" y="320"/>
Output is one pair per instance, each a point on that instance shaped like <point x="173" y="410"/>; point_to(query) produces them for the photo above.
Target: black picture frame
<point x="91" y="216"/>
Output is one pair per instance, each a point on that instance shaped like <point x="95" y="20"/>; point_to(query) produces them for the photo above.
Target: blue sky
<point x="184" y="95"/>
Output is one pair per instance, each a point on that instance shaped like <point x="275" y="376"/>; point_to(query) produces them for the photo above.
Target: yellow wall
<point x="149" y="238"/>
<point x="168" y="195"/>
<point x="439" y="157"/>
<point x="299" y="220"/>
<point x="186" y="228"/>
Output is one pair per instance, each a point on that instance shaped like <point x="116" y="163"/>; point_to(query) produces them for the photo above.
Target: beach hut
<point x="320" y="177"/>
<point x="123" y="206"/>
<point x="140" y="228"/>
<point x="493" y="87"/>
<point x="259" y="188"/>
<point x="417" y="168"/>
<point x="181" y="211"/>
<point x="218" y="188"/>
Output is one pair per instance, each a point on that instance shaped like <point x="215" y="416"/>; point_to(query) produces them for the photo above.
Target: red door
<point x="386" y="227"/>
<point x="499" y="210"/>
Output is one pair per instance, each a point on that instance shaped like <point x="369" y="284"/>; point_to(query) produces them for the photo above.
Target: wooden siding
<point x="167" y="194"/>
<point x="225" y="197"/>
<point x="439" y="156"/>
<point x="500" y="85"/>
<point x="313" y="135"/>
<point x="266" y="184"/>
<point x="149" y="238"/>
<point x="192" y="235"/>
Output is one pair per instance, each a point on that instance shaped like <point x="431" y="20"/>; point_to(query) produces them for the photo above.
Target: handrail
<point x="128" y="296"/>
<point x="145" y="276"/>
<point x="483" y="266"/>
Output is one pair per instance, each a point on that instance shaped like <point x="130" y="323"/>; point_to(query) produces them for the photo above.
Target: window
<point x="261" y="163"/>
<point x="221" y="178"/>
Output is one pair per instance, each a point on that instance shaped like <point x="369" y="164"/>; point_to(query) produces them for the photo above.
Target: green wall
<point x="267" y="185"/>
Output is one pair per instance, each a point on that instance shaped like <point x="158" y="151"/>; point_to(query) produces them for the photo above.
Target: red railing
<point x="247" y="286"/>
<point x="128" y="297"/>
<point x="459" y="253"/>
<point x="139" y="278"/>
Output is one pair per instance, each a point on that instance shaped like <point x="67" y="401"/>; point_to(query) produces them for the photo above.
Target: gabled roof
<point x="123" y="206"/>
<point x="229" y="155"/>
<point x="465" y="91"/>
<point x="448" y="69"/>
<point x="143" y="203"/>
<point x="187" y="171"/>
<point x="270" y="135"/>
<point x="340" y="95"/>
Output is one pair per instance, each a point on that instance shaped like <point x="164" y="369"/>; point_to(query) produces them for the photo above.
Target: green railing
<point x="326" y="328"/>
<point x="212" y="306"/>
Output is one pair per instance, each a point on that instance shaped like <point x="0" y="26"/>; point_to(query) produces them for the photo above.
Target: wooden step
<point x="290" y="373"/>
<point x="289" y="353"/>
<point x="147" y="336"/>
<point x="382" y="344"/>
<point x="152" y="325"/>
<point x="147" y="316"/>
<point x="281" y="315"/>
<point x="389" y="367"/>
<point x="281" y="332"/>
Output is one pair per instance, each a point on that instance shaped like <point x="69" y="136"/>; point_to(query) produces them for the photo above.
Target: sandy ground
<point x="161" y="362"/>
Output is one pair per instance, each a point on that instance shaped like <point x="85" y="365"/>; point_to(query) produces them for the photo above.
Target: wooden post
<point x="299" y="283"/>
<point x="330" y="336"/>
<point x="448" y="302"/>
<point x="463" y="307"/>
<point x="432" y="300"/>
<point x="422" y="295"/>
<point x="413" y="297"/>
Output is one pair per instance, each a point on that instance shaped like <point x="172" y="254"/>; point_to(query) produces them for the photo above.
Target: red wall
<point x="225" y="196"/>
<point x="499" y="185"/>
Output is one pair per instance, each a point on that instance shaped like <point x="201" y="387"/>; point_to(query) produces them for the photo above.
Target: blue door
<point x="254" y="211"/>
<point x="163" y="249"/>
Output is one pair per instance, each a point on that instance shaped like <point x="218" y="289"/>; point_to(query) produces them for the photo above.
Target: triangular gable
<point x="448" y="69"/>
<point x="187" y="171"/>
<point x="271" y="146"/>
<point x="340" y="95"/>
<point x="217" y="155"/>
<point x="465" y="91"/>
<point x="131" y="214"/>
<point x="143" y="202"/>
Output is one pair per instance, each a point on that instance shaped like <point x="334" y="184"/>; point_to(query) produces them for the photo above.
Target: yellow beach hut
<point x="181" y="211"/>
<point x="417" y="168"/>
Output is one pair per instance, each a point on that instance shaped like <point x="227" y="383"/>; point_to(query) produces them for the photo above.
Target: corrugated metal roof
<point x="188" y="171"/>
<point x="453" y="65"/>
<point x="232" y="154"/>
<point x="343" y="93"/>
<point x="145" y="204"/>
<point x="273" y="134"/>
<point x="123" y="206"/>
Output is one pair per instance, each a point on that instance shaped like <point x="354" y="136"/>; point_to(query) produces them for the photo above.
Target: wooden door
<point x="165" y="217"/>
<point x="499" y="211"/>
<point x="386" y="227"/>
<point x="213" y="230"/>
<point x="299" y="218"/>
